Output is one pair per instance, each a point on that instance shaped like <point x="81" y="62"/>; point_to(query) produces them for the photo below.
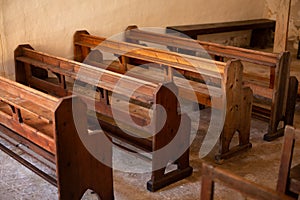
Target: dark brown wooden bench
<point x="279" y="89"/>
<point x="45" y="124"/>
<point x="211" y="175"/>
<point x="105" y="93"/>
<point x="223" y="90"/>
<point x="261" y="29"/>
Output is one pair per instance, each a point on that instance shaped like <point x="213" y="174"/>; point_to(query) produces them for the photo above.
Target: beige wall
<point x="48" y="25"/>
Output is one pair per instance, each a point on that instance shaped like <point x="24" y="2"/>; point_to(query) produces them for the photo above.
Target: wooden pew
<point x="45" y="124"/>
<point x="211" y="174"/>
<point x="167" y="140"/>
<point x="261" y="30"/>
<point x="223" y="89"/>
<point x="289" y="177"/>
<point x="288" y="183"/>
<point x="279" y="89"/>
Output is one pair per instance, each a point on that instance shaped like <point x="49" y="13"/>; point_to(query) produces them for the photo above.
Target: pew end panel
<point x="238" y="111"/>
<point x="74" y="157"/>
<point x="46" y="124"/>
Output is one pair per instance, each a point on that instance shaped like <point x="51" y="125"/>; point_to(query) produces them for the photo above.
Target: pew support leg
<point x="275" y="132"/>
<point x="161" y="157"/>
<point x="160" y="178"/>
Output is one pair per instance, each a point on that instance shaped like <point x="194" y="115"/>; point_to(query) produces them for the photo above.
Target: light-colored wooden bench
<point x="275" y="94"/>
<point x="211" y="175"/>
<point x="112" y="105"/>
<point x="223" y="90"/>
<point x="289" y="177"/>
<point x="288" y="183"/>
<point x="45" y="124"/>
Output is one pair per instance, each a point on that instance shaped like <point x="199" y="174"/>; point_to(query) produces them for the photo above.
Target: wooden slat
<point x="260" y="90"/>
<point x="19" y="90"/>
<point x="178" y="61"/>
<point x="26" y="105"/>
<point x="31" y="133"/>
<point x="103" y="78"/>
<point x="253" y="56"/>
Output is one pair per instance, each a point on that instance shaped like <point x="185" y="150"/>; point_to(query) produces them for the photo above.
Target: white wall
<point x="48" y="25"/>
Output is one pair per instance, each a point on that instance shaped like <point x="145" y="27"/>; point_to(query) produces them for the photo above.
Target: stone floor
<point x="259" y="164"/>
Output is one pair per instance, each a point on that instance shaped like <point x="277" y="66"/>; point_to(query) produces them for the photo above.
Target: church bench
<point x="222" y="91"/>
<point x="45" y="124"/>
<point x="133" y="119"/>
<point x="288" y="183"/>
<point x="212" y="175"/>
<point x="278" y="88"/>
<point x="261" y="29"/>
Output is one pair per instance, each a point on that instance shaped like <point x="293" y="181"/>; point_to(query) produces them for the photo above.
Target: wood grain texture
<point x="138" y="132"/>
<point x="45" y="123"/>
<point x="289" y="177"/>
<point x="222" y="88"/>
<point x="265" y="87"/>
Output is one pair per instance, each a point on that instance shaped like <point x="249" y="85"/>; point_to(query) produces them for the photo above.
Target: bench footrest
<point x="272" y="136"/>
<point x="234" y="150"/>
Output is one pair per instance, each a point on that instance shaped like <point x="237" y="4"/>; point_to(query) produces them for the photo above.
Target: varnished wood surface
<point x="45" y="123"/>
<point x="105" y="83"/>
<point x="271" y="69"/>
<point x="220" y="89"/>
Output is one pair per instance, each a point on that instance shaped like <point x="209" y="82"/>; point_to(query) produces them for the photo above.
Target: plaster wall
<point x="49" y="25"/>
